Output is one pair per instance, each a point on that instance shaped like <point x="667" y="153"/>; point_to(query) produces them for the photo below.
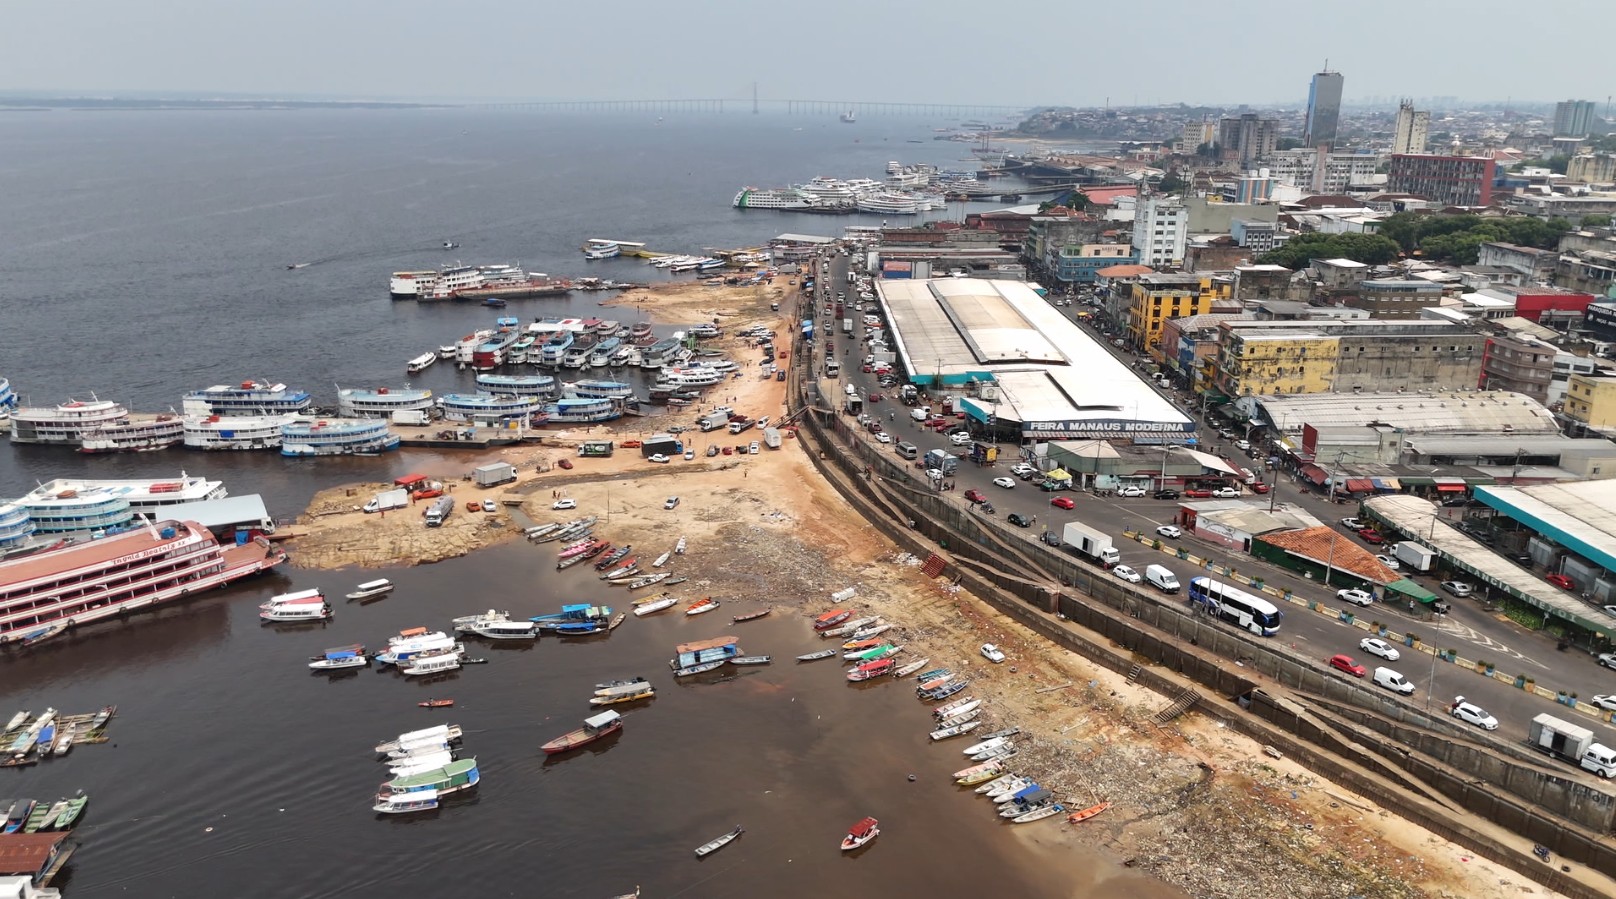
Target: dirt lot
<point x="1194" y="804"/>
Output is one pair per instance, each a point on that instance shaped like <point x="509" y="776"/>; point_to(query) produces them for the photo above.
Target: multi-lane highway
<point x="1472" y="630"/>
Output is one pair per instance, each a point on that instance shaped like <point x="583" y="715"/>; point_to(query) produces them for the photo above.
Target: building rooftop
<point x="1580" y="516"/>
<point x="1170" y="279"/>
<point x="1124" y="271"/>
<point x="28" y="853"/>
<point x="1419" y="412"/>
<point x="1328" y="546"/>
<point x="218" y="513"/>
<point x="1506" y="445"/>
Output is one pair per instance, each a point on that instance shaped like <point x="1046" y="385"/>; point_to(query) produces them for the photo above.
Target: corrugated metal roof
<point x="1488" y="445"/>
<point x="1478" y="412"/>
<point x="1328" y="546"/>
<point x="214" y="513"/>
<point x="1580" y="515"/>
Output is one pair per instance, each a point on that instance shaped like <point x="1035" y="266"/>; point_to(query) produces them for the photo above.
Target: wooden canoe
<point x="1087" y="813"/>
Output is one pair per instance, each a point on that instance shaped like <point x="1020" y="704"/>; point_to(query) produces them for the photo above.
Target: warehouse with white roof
<point x="1031" y="371"/>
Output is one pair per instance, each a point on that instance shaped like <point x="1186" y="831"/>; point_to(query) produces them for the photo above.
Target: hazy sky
<point x="1077" y="52"/>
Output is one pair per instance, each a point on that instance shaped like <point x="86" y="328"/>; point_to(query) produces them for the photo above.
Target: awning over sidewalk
<point x="1411" y="590"/>
<point x="1359" y="485"/>
<point x="1386" y="483"/>
<point x="1315" y="474"/>
<point x="1450" y="485"/>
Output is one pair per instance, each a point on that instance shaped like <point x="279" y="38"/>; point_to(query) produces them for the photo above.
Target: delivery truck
<point x="1415" y="556"/>
<point x="1090" y="543"/>
<point x="946" y="463"/>
<point x="387" y="500"/>
<point x="411" y="417"/>
<point x="1571" y="743"/>
<point x="493" y="474"/>
<point x="439" y="512"/>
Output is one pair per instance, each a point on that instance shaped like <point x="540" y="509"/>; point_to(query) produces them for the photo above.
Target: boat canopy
<point x="341" y="654"/>
<point x="863" y="827"/>
<point x="1037" y="797"/>
<point x="714" y="643"/>
<point x="298" y="596"/>
<point x="597" y="722"/>
<point x="376" y="585"/>
<point x="576" y="609"/>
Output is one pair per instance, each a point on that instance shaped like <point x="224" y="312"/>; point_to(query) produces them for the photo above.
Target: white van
<point x="1600" y="759"/>
<point x="920" y="413"/>
<point x="1391" y="680"/>
<point x="1162" y="579"/>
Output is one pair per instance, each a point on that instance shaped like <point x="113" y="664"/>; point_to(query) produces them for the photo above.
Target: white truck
<point x="439" y="512"/>
<point x="1415" y="556"/>
<point x="494" y="473"/>
<point x="415" y="417"/>
<point x="1572" y="743"/>
<point x="388" y="500"/>
<point x="1090" y="543"/>
<point x="714" y="421"/>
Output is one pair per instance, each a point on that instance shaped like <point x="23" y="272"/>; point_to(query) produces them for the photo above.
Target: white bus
<point x="1253" y="613"/>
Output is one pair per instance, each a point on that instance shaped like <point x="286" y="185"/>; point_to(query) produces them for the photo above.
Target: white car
<point x="851" y="390"/>
<point x="1378" y="647"/>
<point x="1127" y="574"/>
<point x="960" y="438"/>
<point x="752" y="448"/>
<point x="1474" y="714"/>
<point x="1357" y="597"/>
<point x="1242" y="445"/>
<point x="657" y="457"/>
<point x="1131" y="491"/>
<point x="883" y="437"/>
<point x="1608" y="659"/>
<point x="1006" y="483"/>
<point x="1227" y="493"/>
<point x="1169" y="531"/>
<point x="488" y="505"/>
<point x="934" y="474"/>
<point x="1389" y="562"/>
<point x="1604" y="701"/>
<point x="690" y="454"/>
<point x="1353" y="524"/>
<point x="992" y="653"/>
<point x="568" y="503"/>
<point x="671" y="502"/>
<point x="1022" y="468"/>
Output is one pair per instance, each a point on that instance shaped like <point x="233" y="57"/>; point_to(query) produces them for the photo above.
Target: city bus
<point x="1252" y="613"/>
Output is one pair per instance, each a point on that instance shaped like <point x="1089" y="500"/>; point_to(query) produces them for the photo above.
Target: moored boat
<point x="944" y="733"/>
<point x="341" y="659"/>
<point x="457" y="775"/>
<point x="831" y="619"/>
<point x="630" y="692"/>
<point x="371" y="589"/>
<point x="943" y="692"/>
<point x="595" y="728"/>
<point x="750" y="616"/>
<point x="1087" y="813"/>
<point x="702" y="668"/>
<point x="71" y="814"/>
<point x="861" y="834"/>
<point x="978" y="773"/>
<point x="435" y="703"/>
<point x="712" y="846"/>
<point x="870" y="670"/>
<point x="442" y="733"/>
<point x="985" y="745"/>
<point x="1039" y="814"/>
<point x="705" y="604"/>
<point x="300" y="611"/>
<point x="873" y="630"/>
<point x="958" y="707"/>
<point x="655" y="605"/>
<point x="662" y="559"/>
<point x="751" y="660"/>
<point x="814" y="656"/>
<point x="911" y="667"/>
<point x="405" y="803"/>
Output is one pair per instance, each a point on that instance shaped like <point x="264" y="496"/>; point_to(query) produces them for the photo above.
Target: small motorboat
<point x="450" y="245"/>
<point x="815" y="656"/>
<point x="751" y="660"/>
<point x="403" y="803"/>
<point x="832" y="618"/>
<point x="1085" y="814"/>
<point x="911" y="668"/>
<point x="436" y="703"/>
<point x="958" y="707"/>
<point x="861" y="834"/>
<point x="655" y="605"/>
<point x="954" y="731"/>
<point x="372" y="589"/>
<point x="711" y="846"/>
<point x="75" y="808"/>
<point x="703" y="668"/>
<point x="750" y="616"/>
<point x="662" y="559"/>
<point x="595" y="728"/>
<point x="978" y="774"/>
<point x="628" y="691"/>
<point x="705" y="604"/>
<point x="340" y="661"/>
<point x="1038" y="814"/>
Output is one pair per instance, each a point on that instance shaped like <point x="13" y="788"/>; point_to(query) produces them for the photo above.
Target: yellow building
<point x="1156" y="298"/>
<point x="1272" y="364"/>
<point x="1591" y="399"/>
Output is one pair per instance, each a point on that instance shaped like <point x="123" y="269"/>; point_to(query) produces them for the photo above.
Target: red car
<point x="1062" y="502"/>
<point x="865" y="369"/>
<point x="1561" y="581"/>
<point x="1197" y="493"/>
<point x="1345" y="663"/>
<point x="975" y="496"/>
<point x="1259" y="487"/>
<point x="1370" y="535"/>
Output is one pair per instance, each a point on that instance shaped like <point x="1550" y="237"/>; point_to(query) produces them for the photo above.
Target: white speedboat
<point x="308" y="610"/>
<point x="404" y="803"/>
<point x="655" y="605"/>
<point x="372" y="588"/>
<point x="430" y="664"/>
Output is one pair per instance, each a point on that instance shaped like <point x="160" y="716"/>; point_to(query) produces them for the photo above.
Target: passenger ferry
<point x="568" y="410"/>
<point x="141" y="433"/>
<point x="8" y="397"/>
<point x="423" y="362"/>
<point x="448" y="280"/>
<point x="16" y="526"/>
<point x="484" y="407"/>
<point x="490" y="354"/>
<point x="600" y="390"/>
<point x="602" y="250"/>
<point x="779" y="198"/>
<point x="641" y="334"/>
<point x="235" y="432"/>
<point x="66" y="423"/>
<point x="382" y="402"/>
<point x="691" y="377"/>
<point x="576" y="357"/>
<point x="251" y="398"/>
<point x="336" y="437"/>
<point x="407" y="285"/>
<point x="517" y="385"/>
<point x="79" y="583"/>
<point x="79" y="504"/>
<point x="656" y="355"/>
<point x="893" y="203"/>
<point x="602" y="355"/>
<point x="555" y="348"/>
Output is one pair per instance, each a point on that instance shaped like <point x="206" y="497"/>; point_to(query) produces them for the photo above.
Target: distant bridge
<point x="859" y="108"/>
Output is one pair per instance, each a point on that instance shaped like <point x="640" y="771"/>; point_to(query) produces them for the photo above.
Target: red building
<point x="1453" y="180"/>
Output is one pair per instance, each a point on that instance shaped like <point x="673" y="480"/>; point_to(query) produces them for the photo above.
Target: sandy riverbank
<point x="1194" y="804"/>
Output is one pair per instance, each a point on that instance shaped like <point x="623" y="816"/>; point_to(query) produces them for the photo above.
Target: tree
<point x="1370" y="249"/>
<point x="1598" y="220"/>
<point x="1170" y="183"/>
<point x="1208" y="150"/>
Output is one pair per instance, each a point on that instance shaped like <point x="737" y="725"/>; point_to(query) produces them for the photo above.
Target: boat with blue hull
<point x="486" y="406"/>
<point x="382" y="402"/>
<point x="583" y="410"/>
<point x="555" y="348"/>
<point x="251" y="398"/>
<point x="601" y="356"/>
<point x="516" y="385"/>
<point x="337" y="437"/>
<point x="8" y="397"/>
<point x="597" y="389"/>
<point x="576" y="619"/>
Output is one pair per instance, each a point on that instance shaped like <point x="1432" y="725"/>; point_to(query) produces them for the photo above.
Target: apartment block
<point x="1160" y="230"/>
<point x="1395" y="299"/>
<point x="1276" y="357"/>
<point x="1411" y="131"/>
<point x="1450" y="180"/>
<point x="1155" y="298"/>
<point x="1535" y="264"/>
<point x="1573" y="118"/>
<point x="1077" y="265"/>
<point x="1248" y="139"/>
<point x="1591" y="399"/>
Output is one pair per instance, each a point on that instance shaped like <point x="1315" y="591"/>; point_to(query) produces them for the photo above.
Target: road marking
<point x="1463" y="632"/>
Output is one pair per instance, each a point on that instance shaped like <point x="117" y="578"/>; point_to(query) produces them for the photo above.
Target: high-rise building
<point x="1573" y="118"/>
<point x="1323" y="109"/>
<point x="1413" y="127"/>
<point x="1451" y="180"/>
<point x="1160" y="231"/>
<point x="1248" y="139"/>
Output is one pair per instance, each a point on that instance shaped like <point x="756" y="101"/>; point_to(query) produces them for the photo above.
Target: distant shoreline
<point x="91" y="104"/>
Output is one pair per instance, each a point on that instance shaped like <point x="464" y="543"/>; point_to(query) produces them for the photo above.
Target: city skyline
<point x="368" y="49"/>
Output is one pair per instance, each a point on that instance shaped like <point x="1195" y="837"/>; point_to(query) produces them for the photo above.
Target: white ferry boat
<point x="79" y="583"/>
<point x="517" y="385"/>
<point x="142" y="433"/>
<point x="8" y="397"/>
<point x="602" y="249"/>
<point x="66" y="423"/>
<point x="408" y="284"/>
<point x="251" y="398"/>
<point x="601" y="356"/>
<point x="691" y="377"/>
<point x="600" y="390"/>
<point x="657" y="354"/>
<point x="576" y="357"/>
<point x="79" y="504"/>
<point x="16" y="526"/>
<point x="484" y="407"/>
<point x="424" y="361"/>
<point x="828" y="192"/>
<point x="337" y="437"/>
<point x="382" y="402"/>
<point x="777" y="198"/>
<point x="893" y="203"/>
<point x="583" y="410"/>
<point x="449" y="280"/>
<point x="235" y="432"/>
<point x="555" y="349"/>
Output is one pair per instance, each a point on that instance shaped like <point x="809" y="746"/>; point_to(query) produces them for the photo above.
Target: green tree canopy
<point x="1458" y="238"/>
<point x="1370" y="249"/>
<point x="1597" y="220"/>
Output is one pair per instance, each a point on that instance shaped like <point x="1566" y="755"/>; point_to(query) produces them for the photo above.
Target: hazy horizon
<point x="942" y="52"/>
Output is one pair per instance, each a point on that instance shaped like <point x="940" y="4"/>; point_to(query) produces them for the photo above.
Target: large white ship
<point x="408" y="284"/>
<point x="382" y="402"/>
<point x="774" y="198"/>
<point x="235" y="432"/>
<point x="337" y="437"/>
<point x="79" y="583"/>
<point x="66" y="423"/>
<point x="141" y="433"/>
<point x="251" y="398"/>
<point x="16" y="526"/>
<point x="894" y="203"/>
<point x="487" y="407"/>
<point x="8" y="399"/>
<point x="81" y="504"/>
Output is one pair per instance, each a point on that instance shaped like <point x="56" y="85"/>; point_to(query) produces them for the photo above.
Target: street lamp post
<point x="1329" y="561"/>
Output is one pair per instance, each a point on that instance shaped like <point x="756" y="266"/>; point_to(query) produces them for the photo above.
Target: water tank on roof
<point x="168" y="533"/>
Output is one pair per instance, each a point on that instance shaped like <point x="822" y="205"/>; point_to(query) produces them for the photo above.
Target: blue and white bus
<point x="1253" y="613"/>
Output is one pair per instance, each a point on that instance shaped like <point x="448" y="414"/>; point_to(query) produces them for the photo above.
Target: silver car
<point x="1474" y="714"/>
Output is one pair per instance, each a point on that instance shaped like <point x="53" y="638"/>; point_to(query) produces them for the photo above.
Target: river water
<point x="145" y="255"/>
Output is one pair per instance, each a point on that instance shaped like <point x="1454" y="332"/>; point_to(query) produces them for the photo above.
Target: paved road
<point x="1475" y="632"/>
